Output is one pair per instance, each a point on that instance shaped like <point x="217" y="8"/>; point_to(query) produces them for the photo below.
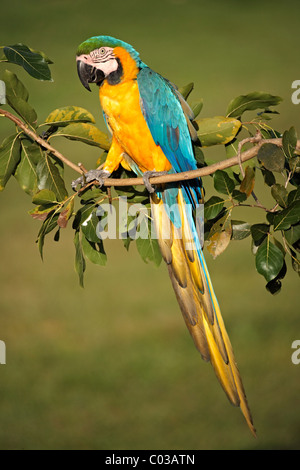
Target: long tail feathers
<point x="195" y="295"/>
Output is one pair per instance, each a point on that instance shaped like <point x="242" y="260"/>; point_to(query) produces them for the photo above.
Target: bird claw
<point x="149" y="174"/>
<point x="92" y="175"/>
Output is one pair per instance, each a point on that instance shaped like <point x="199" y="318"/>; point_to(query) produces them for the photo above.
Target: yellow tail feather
<point x="197" y="300"/>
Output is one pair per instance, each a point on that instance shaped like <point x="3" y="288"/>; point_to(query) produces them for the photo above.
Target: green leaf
<point x="197" y="107"/>
<point x="271" y="157"/>
<point x="147" y="245"/>
<point x="295" y="262"/>
<point x="269" y="260"/>
<point x="17" y="96"/>
<point x="26" y="173"/>
<point x="268" y="176"/>
<point x="44" y="197"/>
<point x="82" y="215"/>
<point x="223" y="183"/>
<point x="186" y="90"/>
<point x="274" y="286"/>
<point x="294" y="196"/>
<point x="292" y="235"/>
<point x="94" y="251"/>
<point x="33" y="62"/>
<point x="238" y="195"/>
<point x="89" y="226"/>
<point x="247" y="185"/>
<point x="48" y="225"/>
<point x="79" y="258"/>
<point x="289" y="142"/>
<point x="289" y="216"/>
<point x="2" y="55"/>
<point x="271" y="216"/>
<point x="240" y="229"/>
<point x="57" y="235"/>
<point x="296" y="246"/>
<point x="294" y="164"/>
<point x="14" y="86"/>
<point x="126" y="242"/>
<point x="10" y="154"/>
<point x="49" y="178"/>
<point x="61" y="117"/>
<point x="149" y="250"/>
<point x="267" y="114"/>
<point x="91" y="194"/>
<point x="49" y="61"/>
<point x="217" y="130"/>
<point x="102" y="158"/>
<point x="269" y="133"/>
<point x="199" y="156"/>
<point x="84" y="132"/>
<point x="231" y="148"/>
<point x="259" y="232"/>
<point x="213" y="207"/>
<point x="280" y="194"/>
<point x="251" y="102"/>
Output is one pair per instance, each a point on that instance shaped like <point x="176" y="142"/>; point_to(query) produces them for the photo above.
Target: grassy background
<point x="111" y="366"/>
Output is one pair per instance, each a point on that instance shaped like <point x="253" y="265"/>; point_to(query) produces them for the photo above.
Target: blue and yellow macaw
<point x="152" y="133"/>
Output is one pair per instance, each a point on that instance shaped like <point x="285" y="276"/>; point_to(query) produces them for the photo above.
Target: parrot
<point x="153" y="134"/>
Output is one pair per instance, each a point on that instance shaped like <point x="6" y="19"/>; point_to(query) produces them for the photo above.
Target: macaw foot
<point x="92" y="175"/>
<point x="149" y="174"/>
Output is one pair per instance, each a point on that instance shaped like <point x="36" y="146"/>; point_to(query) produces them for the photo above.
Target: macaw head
<point x="103" y="57"/>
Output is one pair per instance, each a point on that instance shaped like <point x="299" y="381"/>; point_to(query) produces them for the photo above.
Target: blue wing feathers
<point x="164" y="115"/>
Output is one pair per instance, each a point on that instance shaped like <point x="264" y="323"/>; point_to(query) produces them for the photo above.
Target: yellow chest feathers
<point x="122" y="107"/>
<point x="120" y="103"/>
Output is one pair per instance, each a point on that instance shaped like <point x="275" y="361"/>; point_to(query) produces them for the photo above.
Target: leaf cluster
<point x="275" y="237"/>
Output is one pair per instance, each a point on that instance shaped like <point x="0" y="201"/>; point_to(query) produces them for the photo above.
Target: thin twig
<point x="82" y="168"/>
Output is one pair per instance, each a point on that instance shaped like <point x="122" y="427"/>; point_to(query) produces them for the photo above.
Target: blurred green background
<point x="111" y="366"/>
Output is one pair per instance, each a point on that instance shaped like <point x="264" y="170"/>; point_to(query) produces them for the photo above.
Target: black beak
<point x="89" y="74"/>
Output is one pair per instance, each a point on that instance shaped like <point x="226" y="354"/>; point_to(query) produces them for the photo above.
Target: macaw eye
<point x="98" y="54"/>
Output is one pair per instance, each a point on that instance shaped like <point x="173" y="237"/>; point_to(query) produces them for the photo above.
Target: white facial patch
<point x="107" y="67"/>
<point x="102" y="54"/>
<point x="102" y="59"/>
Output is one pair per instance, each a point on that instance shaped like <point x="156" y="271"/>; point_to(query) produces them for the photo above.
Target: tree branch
<point x="205" y="171"/>
<point x="39" y="140"/>
<point x="183" y="176"/>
